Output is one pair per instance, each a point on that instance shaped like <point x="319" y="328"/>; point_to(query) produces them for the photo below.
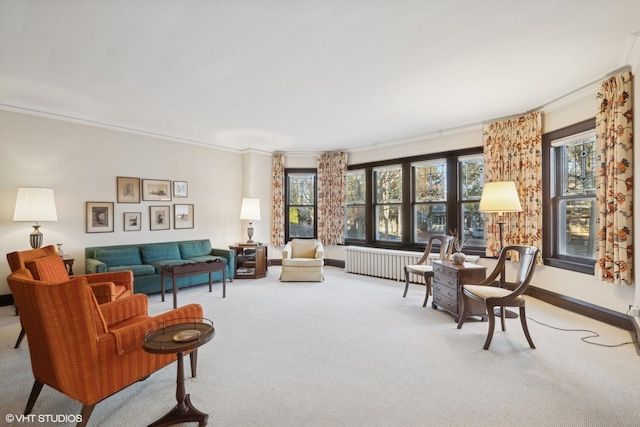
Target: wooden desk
<point x="176" y="271"/>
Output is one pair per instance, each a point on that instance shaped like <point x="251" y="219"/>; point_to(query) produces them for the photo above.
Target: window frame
<point x="287" y="205"/>
<point x="454" y="213"/>
<point x="550" y="227"/>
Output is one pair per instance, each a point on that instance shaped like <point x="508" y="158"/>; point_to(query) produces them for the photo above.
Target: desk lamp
<point x="35" y="205"/>
<point x="250" y="211"/>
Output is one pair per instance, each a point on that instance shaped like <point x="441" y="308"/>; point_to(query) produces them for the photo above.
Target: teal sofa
<point x="145" y="261"/>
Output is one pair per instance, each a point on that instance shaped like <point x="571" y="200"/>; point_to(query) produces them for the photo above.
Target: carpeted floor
<point x="352" y="352"/>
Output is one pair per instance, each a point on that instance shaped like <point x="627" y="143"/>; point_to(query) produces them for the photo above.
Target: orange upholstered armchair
<point x="45" y="265"/>
<point x="82" y="349"/>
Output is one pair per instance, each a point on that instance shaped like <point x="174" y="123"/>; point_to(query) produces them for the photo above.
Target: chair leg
<point x="502" y="317"/>
<point x="193" y="357"/>
<point x="492" y="325"/>
<point x="85" y="413"/>
<point x="523" y="320"/>
<point x="35" y="392"/>
<point x="463" y="316"/>
<point x="406" y="282"/>
<point x="427" y="282"/>
<point x="20" y="338"/>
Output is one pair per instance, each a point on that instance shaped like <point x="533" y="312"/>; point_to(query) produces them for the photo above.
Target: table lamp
<point x="250" y="211"/>
<point x="35" y="205"/>
<point x="500" y="197"/>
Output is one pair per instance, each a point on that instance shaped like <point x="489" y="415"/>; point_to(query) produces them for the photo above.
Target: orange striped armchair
<point x="83" y="349"/>
<point x="45" y="265"/>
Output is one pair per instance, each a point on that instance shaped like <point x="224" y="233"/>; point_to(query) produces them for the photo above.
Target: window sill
<point x="571" y="265"/>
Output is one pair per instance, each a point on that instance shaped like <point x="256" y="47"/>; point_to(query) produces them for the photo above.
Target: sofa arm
<point x="286" y="252"/>
<point x="130" y="337"/>
<point x="228" y="254"/>
<point x="124" y="308"/>
<point x="319" y="251"/>
<point x="92" y="265"/>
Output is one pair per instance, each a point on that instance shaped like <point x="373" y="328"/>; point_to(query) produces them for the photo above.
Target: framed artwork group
<point x="100" y="216"/>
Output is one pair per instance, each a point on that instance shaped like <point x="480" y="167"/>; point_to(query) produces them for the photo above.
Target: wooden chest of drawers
<point x="447" y="280"/>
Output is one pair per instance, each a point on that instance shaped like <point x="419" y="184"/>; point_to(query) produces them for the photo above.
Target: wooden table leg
<point x="224" y="283"/>
<point x="162" y="283"/>
<point x="175" y="292"/>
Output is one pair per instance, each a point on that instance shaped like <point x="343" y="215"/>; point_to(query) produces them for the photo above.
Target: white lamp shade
<point x="250" y="210"/>
<point x="500" y="196"/>
<point x="35" y="204"/>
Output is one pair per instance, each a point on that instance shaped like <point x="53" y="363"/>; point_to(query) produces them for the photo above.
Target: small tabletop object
<point x="177" y="337"/>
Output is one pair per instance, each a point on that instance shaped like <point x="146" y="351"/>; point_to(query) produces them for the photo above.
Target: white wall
<point x="81" y="164"/>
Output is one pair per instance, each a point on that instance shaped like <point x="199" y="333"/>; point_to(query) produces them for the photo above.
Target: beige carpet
<point x="352" y="352"/>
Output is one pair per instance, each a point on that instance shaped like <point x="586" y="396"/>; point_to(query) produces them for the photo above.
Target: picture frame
<point x="180" y="189"/>
<point x="159" y="218"/>
<point x="182" y="216"/>
<point x="99" y="217"/>
<point x="128" y="189"/>
<point x="156" y="190"/>
<point x="132" y="221"/>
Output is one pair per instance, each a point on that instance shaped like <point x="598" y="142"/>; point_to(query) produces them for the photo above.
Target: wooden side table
<point x="179" y="338"/>
<point x="68" y="262"/>
<point x="447" y="280"/>
<point x="250" y="265"/>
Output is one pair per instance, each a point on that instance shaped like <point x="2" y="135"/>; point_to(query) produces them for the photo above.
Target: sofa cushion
<point x="194" y="249"/>
<point x="303" y="248"/>
<point x="159" y="252"/>
<point x="48" y="269"/>
<point x="137" y="270"/>
<point x="119" y="257"/>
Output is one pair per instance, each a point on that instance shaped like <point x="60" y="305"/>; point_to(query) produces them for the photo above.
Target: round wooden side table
<point x="179" y="337"/>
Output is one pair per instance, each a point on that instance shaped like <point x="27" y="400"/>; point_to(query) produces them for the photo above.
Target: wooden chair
<point x="425" y="270"/>
<point x="85" y="350"/>
<point x="491" y="295"/>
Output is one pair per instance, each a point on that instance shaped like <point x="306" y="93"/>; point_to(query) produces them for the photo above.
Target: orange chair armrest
<point x="124" y="308"/>
<point x="130" y="337"/>
<point x="122" y="278"/>
<point x="104" y="292"/>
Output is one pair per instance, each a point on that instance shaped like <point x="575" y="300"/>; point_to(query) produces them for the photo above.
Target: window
<point x="471" y="183"/>
<point x="429" y="199"/>
<point x="355" y="221"/>
<point x="388" y="203"/>
<point x="569" y="220"/>
<point x="400" y="203"/>
<point x="300" y="209"/>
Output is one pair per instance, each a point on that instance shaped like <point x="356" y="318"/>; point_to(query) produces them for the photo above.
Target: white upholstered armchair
<point x="302" y="261"/>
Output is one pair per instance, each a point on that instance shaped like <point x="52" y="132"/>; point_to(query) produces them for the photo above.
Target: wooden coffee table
<point x="180" y="337"/>
<point x="191" y="269"/>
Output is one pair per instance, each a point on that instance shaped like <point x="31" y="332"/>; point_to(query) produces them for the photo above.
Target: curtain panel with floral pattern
<point x="332" y="197"/>
<point x="277" y="200"/>
<point x="614" y="180"/>
<point x="513" y="152"/>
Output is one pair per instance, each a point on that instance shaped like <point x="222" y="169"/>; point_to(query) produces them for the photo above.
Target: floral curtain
<point x="513" y="152"/>
<point x="614" y="180"/>
<point x="277" y="200"/>
<point x="332" y="197"/>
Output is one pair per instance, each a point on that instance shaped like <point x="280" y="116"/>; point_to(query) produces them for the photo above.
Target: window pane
<point x="301" y="222"/>
<point x="430" y="219"/>
<point x="389" y="223"/>
<point x="356" y="187"/>
<point x="355" y="223"/>
<point x="388" y="184"/>
<point x="301" y="189"/>
<point x="579" y="237"/>
<point x="430" y="182"/>
<point x="579" y="160"/>
<point x="472" y="178"/>
<point x="473" y="224"/>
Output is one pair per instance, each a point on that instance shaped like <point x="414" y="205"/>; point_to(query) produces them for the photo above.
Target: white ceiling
<point x="304" y="75"/>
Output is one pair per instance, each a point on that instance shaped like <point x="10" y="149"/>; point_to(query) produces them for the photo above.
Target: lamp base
<point x="250" y="233"/>
<point x="36" y="238"/>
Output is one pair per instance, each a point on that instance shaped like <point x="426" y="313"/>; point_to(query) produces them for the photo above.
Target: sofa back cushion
<point x="303" y="248"/>
<point x="119" y="257"/>
<point x="48" y="269"/>
<point x="155" y="252"/>
<point x="194" y="249"/>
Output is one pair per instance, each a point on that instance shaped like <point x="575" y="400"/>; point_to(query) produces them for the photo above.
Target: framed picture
<point x="132" y="221"/>
<point x="155" y="189"/>
<point x="180" y="189"/>
<point x="99" y="217"/>
<point x="182" y="216"/>
<point x="128" y="189"/>
<point x="159" y="217"/>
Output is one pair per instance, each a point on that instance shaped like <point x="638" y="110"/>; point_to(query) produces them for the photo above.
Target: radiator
<point x="385" y="263"/>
